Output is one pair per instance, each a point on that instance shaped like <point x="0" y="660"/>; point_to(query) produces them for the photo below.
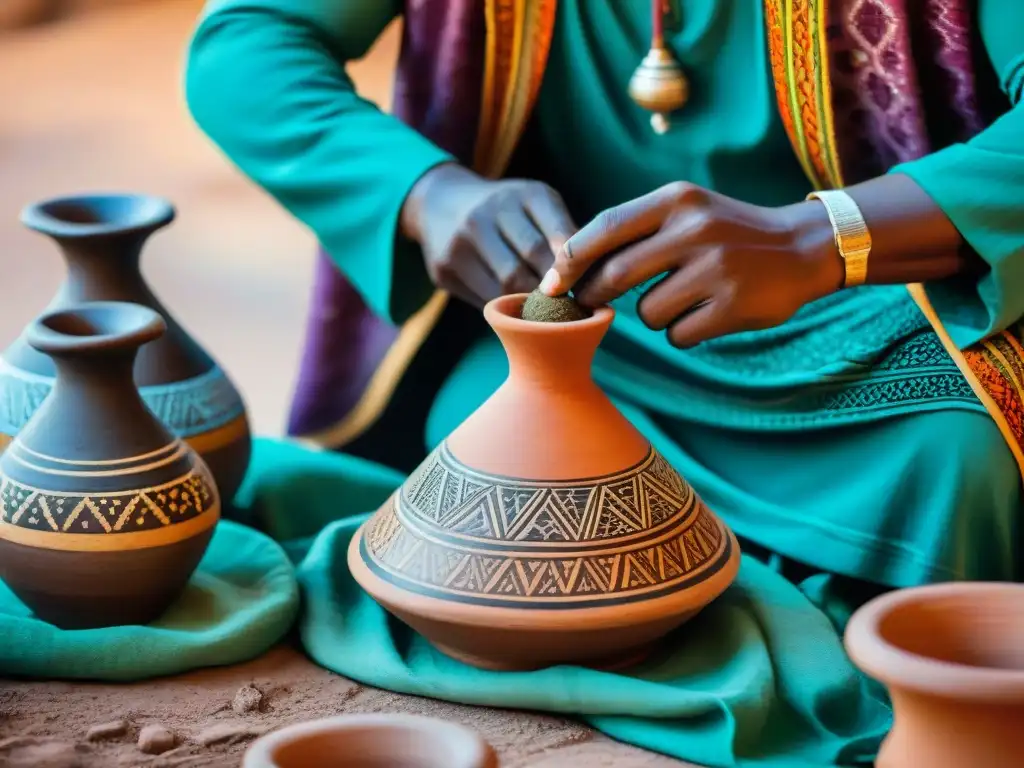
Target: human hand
<point x="482" y="239"/>
<point x="731" y="266"/>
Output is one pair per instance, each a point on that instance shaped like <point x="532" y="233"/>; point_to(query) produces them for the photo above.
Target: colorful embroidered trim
<point x="798" y="48"/>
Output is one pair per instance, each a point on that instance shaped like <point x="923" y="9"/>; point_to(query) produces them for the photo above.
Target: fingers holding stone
<point x="621" y="272"/>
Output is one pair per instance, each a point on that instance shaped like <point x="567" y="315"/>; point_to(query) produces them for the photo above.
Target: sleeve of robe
<point x="980" y="187"/>
<point x="266" y="81"/>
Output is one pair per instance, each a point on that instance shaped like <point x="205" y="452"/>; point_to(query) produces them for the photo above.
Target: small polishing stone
<point x="541" y="308"/>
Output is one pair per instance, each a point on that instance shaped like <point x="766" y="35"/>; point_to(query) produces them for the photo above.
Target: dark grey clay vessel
<point x="101" y="238"/>
<point x="104" y="513"/>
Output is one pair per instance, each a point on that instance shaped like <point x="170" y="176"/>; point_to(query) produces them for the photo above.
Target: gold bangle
<point x="853" y="239"/>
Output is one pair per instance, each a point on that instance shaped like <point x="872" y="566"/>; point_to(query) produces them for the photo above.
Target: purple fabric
<point x="440" y="72"/>
<point x="879" y="121"/>
<point x="345" y="343"/>
<point x="947" y="38"/>
<point x="900" y="68"/>
<point x="437" y="92"/>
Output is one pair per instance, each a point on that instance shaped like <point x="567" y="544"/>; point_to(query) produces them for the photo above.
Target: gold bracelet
<point x="853" y="239"/>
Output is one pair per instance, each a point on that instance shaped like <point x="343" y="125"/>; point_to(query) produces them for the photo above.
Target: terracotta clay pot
<point x="104" y="513"/>
<point x="372" y="741"/>
<point x="545" y="529"/>
<point x="101" y="238"/>
<point x="952" y="657"/>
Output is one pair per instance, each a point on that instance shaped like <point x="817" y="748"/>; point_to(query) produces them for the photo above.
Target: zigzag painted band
<point x="455" y="533"/>
<point x="663" y="500"/>
<point x="77" y="542"/>
<point x="188" y="408"/>
<point x="42" y="511"/>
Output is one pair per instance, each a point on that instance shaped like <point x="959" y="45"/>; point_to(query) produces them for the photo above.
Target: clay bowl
<point x="952" y="657"/>
<point x="372" y="741"/>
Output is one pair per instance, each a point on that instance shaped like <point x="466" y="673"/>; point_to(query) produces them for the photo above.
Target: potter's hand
<point x="730" y="266"/>
<point x="482" y="239"/>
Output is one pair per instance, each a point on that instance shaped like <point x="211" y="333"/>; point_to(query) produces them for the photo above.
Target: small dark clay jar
<point x="101" y="238"/>
<point x="104" y="513"/>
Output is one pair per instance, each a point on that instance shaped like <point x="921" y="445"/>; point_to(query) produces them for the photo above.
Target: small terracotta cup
<point x="952" y="657"/>
<point x="372" y="741"/>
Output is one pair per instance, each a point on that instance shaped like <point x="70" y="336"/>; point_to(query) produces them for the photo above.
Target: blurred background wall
<point x="91" y="101"/>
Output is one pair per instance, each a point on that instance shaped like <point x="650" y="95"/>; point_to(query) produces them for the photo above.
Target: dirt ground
<point x="93" y="103"/>
<point x="46" y="725"/>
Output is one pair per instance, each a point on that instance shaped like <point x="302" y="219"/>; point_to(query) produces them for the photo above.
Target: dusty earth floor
<point x="45" y="725"/>
<point x="93" y="103"/>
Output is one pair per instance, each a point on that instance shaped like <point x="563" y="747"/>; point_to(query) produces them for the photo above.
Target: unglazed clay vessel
<point x="952" y="657"/>
<point x="101" y="238"/>
<point x="372" y="741"/>
<point x="104" y="513"/>
<point x="545" y="529"/>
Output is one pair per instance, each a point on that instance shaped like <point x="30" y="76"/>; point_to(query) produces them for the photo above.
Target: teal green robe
<point x="846" y="439"/>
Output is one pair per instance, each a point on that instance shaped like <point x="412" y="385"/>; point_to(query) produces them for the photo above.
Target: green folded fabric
<point x="758" y="679"/>
<point x="241" y="600"/>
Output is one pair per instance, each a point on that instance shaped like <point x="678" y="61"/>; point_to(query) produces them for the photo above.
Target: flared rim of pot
<point x="452" y="745"/>
<point x="505" y="311"/>
<point x="872" y="644"/>
<point x="101" y="213"/>
<point x="95" y="327"/>
<point x="585" y="618"/>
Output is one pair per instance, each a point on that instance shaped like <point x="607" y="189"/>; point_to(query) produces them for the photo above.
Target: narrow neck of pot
<point x="95" y="411"/>
<point x="550" y="355"/>
<point x="94" y="404"/>
<point x="109" y="371"/>
<point x="94" y="346"/>
<point x="101" y="238"/>
<point x="103" y="268"/>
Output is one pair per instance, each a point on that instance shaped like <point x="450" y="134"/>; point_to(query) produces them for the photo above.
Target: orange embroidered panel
<point x="795" y="30"/>
<point x="519" y="34"/>
<point x="777" y="56"/>
<point x="542" y="32"/>
<point x="998" y="364"/>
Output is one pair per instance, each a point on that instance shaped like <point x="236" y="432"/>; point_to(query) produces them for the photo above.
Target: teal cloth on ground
<point x="759" y="679"/>
<point x="242" y="599"/>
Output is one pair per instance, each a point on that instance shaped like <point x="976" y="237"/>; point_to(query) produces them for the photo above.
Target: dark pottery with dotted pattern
<point x="104" y="512"/>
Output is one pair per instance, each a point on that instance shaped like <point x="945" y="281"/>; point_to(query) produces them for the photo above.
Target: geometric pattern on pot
<point x="189" y="407"/>
<point x="151" y="515"/>
<point x="459" y="534"/>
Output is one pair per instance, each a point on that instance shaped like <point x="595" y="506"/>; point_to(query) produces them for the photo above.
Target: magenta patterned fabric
<point x="904" y="80"/>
